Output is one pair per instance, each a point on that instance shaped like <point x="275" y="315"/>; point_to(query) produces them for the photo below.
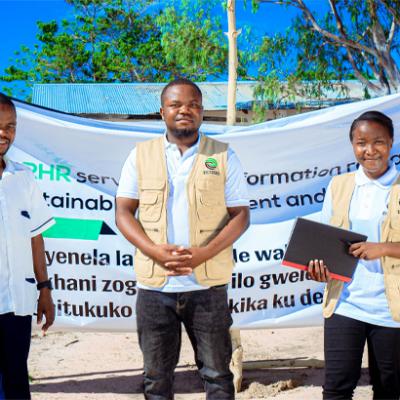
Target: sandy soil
<point x="76" y="365"/>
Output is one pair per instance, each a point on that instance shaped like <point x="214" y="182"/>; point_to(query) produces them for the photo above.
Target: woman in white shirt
<point x="367" y="309"/>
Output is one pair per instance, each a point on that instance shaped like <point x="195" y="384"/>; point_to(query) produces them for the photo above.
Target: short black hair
<point x="373" y="116"/>
<point x="4" y="99"/>
<point x="180" y="81"/>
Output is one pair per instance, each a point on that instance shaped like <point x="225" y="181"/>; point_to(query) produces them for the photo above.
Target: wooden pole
<point x="237" y="349"/>
<point x="233" y="63"/>
<point x="237" y="359"/>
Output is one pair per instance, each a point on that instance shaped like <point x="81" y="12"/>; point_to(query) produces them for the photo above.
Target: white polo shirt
<point x="23" y="215"/>
<point x="179" y="167"/>
<point x="364" y="297"/>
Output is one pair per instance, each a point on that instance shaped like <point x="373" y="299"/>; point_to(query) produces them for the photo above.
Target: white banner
<point x="288" y="164"/>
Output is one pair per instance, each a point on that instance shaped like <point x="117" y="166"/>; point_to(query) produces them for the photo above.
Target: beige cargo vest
<point x="342" y="191"/>
<point x="207" y="210"/>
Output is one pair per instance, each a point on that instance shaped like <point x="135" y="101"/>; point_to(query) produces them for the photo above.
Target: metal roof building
<point x="122" y="101"/>
<point x="128" y="98"/>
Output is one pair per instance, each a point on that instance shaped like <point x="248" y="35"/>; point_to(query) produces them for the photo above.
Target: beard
<point x="3" y="152"/>
<point x="184" y="133"/>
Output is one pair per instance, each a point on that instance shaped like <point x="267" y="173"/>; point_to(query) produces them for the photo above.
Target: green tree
<point x="356" y="39"/>
<point x="192" y="40"/>
<point x="122" y="41"/>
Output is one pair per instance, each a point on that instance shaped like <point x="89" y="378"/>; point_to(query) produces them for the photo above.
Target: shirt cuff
<point x="129" y="195"/>
<point x="238" y="203"/>
<point x="43" y="227"/>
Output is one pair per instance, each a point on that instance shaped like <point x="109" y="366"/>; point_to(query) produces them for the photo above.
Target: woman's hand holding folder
<point x="318" y="271"/>
<point x="368" y="250"/>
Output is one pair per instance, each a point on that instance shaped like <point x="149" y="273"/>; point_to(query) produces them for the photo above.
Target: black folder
<point x="312" y="240"/>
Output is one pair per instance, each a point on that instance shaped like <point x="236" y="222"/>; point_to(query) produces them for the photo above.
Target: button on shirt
<point x="179" y="167"/>
<point x="364" y="297"/>
<point x="23" y="215"/>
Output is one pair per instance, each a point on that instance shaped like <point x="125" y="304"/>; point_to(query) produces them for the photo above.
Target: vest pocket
<point x="210" y="205"/>
<point x="206" y="234"/>
<point x="144" y="266"/>
<point x="392" y="266"/>
<point x="392" y="290"/>
<point x="394" y="232"/>
<point x="220" y="266"/>
<point x="150" y="205"/>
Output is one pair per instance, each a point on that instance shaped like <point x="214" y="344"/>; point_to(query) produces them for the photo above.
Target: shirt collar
<point x="172" y="146"/>
<point x="10" y="166"/>
<point x="384" y="181"/>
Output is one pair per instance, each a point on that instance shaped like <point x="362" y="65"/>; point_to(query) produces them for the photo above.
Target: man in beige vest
<point x="190" y="194"/>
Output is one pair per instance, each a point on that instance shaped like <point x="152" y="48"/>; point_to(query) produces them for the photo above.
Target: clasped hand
<point x="178" y="260"/>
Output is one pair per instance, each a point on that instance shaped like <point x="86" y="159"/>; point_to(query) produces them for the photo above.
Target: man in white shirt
<point x="192" y="203"/>
<point x="24" y="215"/>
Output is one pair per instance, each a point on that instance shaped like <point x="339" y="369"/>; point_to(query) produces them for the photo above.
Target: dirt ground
<point x="89" y="365"/>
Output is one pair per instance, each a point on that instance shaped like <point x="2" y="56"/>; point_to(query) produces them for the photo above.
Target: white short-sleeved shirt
<point x="23" y="215"/>
<point x="179" y="168"/>
<point x="364" y="297"/>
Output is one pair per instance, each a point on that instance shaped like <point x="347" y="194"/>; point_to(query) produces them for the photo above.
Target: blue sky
<point x="18" y="20"/>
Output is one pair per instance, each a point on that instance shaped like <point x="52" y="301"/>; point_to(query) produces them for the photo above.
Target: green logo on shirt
<point x="211" y="163"/>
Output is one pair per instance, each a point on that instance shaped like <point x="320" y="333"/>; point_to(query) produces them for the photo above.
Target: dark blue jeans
<point x="344" y="346"/>
<point x="15" y="339"/>
<point x="206" y="318"/>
